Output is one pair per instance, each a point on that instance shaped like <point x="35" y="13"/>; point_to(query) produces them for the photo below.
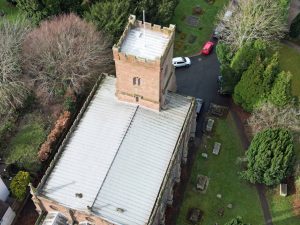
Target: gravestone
<point x="283" y="190"/>
<point x="201" y="182"/>
<point x="216" y="149"/>
<point x="204" y="155"/>
<point x="195" y="215"/>
<point x="192" y="21"/>
<point x="209" y="125"/>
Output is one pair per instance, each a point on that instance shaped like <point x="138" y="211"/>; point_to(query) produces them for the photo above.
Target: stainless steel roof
<point x="149" y="44"/>
<point x="117" y="157"/>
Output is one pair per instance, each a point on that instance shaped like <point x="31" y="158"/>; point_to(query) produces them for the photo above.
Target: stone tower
<point x="143" y="59"/>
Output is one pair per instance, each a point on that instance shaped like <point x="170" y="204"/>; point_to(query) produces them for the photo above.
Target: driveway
<point x="200" y="80"/>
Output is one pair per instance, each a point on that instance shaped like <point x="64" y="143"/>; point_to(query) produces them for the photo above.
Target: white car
<point x="181" y="62"/>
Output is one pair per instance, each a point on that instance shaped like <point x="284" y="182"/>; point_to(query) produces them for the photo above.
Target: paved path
<point x="291" y="44"/>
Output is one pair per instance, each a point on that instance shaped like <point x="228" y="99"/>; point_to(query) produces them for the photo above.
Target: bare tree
<point x="65" y="52"/>
<point x="270" y="116"/>
<point x="13" y="92"/>
<point x="249" y="20"/>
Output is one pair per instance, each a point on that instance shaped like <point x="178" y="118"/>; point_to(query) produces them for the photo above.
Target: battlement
<point x="144" y="42"/>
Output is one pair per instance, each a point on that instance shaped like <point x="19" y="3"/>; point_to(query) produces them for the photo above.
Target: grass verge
<point x="289" y="60"/>
<point x="222" y="171"/>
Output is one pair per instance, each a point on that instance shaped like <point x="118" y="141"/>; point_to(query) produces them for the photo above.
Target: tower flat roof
<point x="148" y="45"/>
<point x="117" y="157"/>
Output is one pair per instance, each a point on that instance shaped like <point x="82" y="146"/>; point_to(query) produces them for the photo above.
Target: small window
<point x="136" y="98"/>
<point x="136" y="81"/>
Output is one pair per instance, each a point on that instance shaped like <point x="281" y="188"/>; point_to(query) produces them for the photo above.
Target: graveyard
<point x="215" y="193"/>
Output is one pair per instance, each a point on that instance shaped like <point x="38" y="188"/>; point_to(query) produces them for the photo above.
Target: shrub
<point x="59" y="127"/>
<point x="224" y="53"/>
<point x="271" y="116"/>
<point x="270" y="157"/>
<point x="295" y="27"/>
<point x="18" y="185"/>
<point x="281" y="91"/>
<point x="64" y="53"/>
<point x="229" y="78"/>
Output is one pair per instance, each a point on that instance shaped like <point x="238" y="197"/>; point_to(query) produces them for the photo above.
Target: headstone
<point x="195" y="215"/>
<point x="229" y="206"/>
<point x="216" y="149"/>
<point x="210" y="124"/>
<point x="201" y="182"/>
<point x="283" y="190"/>
<point x="219" y="196"/>
<point x="204" y="155"/>
<point x="192" y="21"/>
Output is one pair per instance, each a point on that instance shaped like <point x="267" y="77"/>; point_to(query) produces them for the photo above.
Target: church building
<point x="123" y="154"/>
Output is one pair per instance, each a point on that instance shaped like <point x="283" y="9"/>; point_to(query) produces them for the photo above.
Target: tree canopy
<point x="64" y="53"/>
<point x="38" y="10"/>
<point x="111" y="16"/>
<point x="252" y="20"/>
<point x="270" y="157"/>
<point x="13" y="92"/>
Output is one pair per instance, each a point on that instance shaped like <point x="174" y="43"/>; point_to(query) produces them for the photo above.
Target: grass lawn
<point x="204" y="30"/>
<point x="222" y="171"/>
<point x="281" y="208"/>
<point x="25" y="144"/>
<point x="289" y="61"/>
<point x="11" y="12"/>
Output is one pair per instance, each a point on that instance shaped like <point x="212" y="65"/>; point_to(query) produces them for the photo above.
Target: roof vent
<point x="78" y="195"/>
<point x="120" y="210"/>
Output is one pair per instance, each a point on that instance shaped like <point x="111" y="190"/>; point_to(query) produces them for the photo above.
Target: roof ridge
<point x="112" y="162"/>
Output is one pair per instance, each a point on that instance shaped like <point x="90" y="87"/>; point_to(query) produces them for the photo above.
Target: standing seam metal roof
<point x="117" y="157"/>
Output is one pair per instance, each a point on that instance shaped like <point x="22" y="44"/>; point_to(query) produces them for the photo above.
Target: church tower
<point x="143" y="59"/>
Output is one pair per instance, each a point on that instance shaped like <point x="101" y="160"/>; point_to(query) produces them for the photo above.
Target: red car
<point x="207" y="48"/>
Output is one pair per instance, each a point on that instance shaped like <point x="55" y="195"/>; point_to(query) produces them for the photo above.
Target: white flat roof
<point x="117" y="157"/>
<point x="150" y="45"/>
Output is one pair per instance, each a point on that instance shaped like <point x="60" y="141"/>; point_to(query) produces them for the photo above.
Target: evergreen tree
<point x="38" y="10"/>
<point x="281" y="91"/>
<point x="270" y="157"/>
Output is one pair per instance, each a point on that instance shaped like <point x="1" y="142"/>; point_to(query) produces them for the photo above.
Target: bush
<point x="281" y="91"/>
<point x="224" y="53"/>
<point x="64" y="53"/>
<point x="19" y="184"/>
<point x="59" y="127"/>
<point x="229" y="78"/>
<point x="270" y="157"/>
<point x="271" y="116"/>
<point x="295" y="27"/>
